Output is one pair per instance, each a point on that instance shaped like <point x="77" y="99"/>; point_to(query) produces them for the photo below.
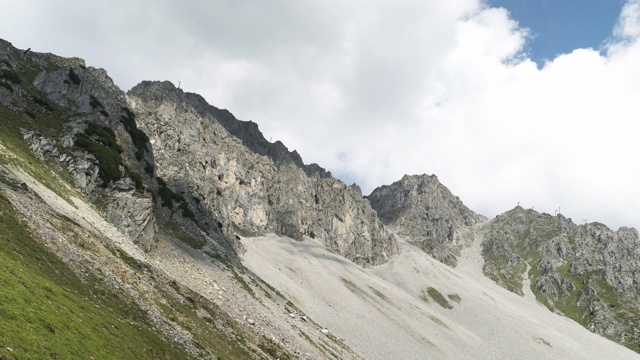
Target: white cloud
<point x="376" y="89"/>
<point x="628" y="25"/>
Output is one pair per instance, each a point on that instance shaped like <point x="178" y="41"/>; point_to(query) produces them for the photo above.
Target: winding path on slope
<point x="471" y="263"/>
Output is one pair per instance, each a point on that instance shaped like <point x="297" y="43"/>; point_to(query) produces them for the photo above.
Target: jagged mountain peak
<point x="250" y="185"/>
<point x="417" y="191"/>
<point x="421" y="208"/>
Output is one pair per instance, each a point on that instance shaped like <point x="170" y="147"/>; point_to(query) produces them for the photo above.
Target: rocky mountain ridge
<point x="249" y="185"/>
<point x="420" y="208"/>
<point x="587" y="272"/>
<point x="149" y="194"/>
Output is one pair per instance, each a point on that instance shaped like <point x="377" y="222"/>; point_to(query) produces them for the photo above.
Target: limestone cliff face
<point x="249" y="185"/>
<point x="420" y="208"/>
<point x="76" y="116"/>
<point x="588" y="272"/>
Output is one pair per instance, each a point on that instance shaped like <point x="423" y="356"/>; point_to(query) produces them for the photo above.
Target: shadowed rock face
<point x="588" y="272"/>
<point x="252" y="186"/>
<point x="420" y="208"/>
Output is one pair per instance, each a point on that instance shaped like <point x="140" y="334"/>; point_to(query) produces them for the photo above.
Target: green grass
<point x="47" y="312"/>
<point x="109" y="160"/>
<point x="20" y="155"/>
<point x="509" y="276"/>
<point x="243" y="283"/>
<point x="439" y="298"/>
<point x="204" y="331"/>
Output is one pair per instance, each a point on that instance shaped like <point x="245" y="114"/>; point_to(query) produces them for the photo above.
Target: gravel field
<point x="387" y="312"/>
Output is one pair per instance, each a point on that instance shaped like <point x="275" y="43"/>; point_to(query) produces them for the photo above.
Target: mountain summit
<point x="423" y="210"/>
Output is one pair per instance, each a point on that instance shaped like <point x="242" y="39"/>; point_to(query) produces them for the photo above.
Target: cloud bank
<point x="373" y="90"/>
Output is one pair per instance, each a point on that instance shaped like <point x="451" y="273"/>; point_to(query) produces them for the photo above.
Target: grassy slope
<point x="48" y="312"/>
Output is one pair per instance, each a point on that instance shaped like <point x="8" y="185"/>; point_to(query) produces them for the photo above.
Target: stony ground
<point x="237" y="292"/>
<point x="388" y="311"/>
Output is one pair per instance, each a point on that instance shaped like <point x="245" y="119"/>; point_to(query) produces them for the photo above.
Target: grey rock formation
<point x="420" y="208"/>
<point x="587" y="272"/>
<point x="133" y="212"/>
<point x="224" y="167"/>
<point x="60" y="98"/>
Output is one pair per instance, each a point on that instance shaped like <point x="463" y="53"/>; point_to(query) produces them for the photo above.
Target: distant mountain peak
<point x="420" y="208"/>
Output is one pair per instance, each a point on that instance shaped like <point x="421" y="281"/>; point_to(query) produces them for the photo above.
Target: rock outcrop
<point x="588" y="272"/>
<point x="225" y="167"/>
<point x="77" y="117"/>
<point x="424" y="211"/>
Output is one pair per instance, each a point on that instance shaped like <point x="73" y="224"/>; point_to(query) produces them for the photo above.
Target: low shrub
<point x="104" y="135"/>
<point x="169" y="199"/>
<point x="109" y="160"/>
<point x="166" y="196"/>
<point x="11" y="76"/>
<point x="95" y="103"/>
<point x="148" y="168"/>
<point x="186" y="212"/>
<point x="6" y="86"/>
<point x="161" y="181"/>
<point x="100" y="141"/>
<point x="137" y="179"/>
<point x="138" y="137"/>
<point x="42" y="102"/>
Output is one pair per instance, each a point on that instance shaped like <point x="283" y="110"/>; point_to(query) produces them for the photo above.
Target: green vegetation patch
<point x="21" y="156"/>
<point x="95" y="103"/>
<point x="244" y="284"/>
<point x="377" y="293"/>
<point x="212" y="332"/>
<point x="170" y="198"/>
<point x="439" y="298"/>
<point x="47" y="312"/>
<point x="100" y="142"/>
<point x="42" y="102"/>
<point x="138" y="137"/>
<point x="10" y="76"/>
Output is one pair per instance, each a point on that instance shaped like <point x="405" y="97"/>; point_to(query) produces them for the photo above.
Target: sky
<point x="533" y="102"/>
